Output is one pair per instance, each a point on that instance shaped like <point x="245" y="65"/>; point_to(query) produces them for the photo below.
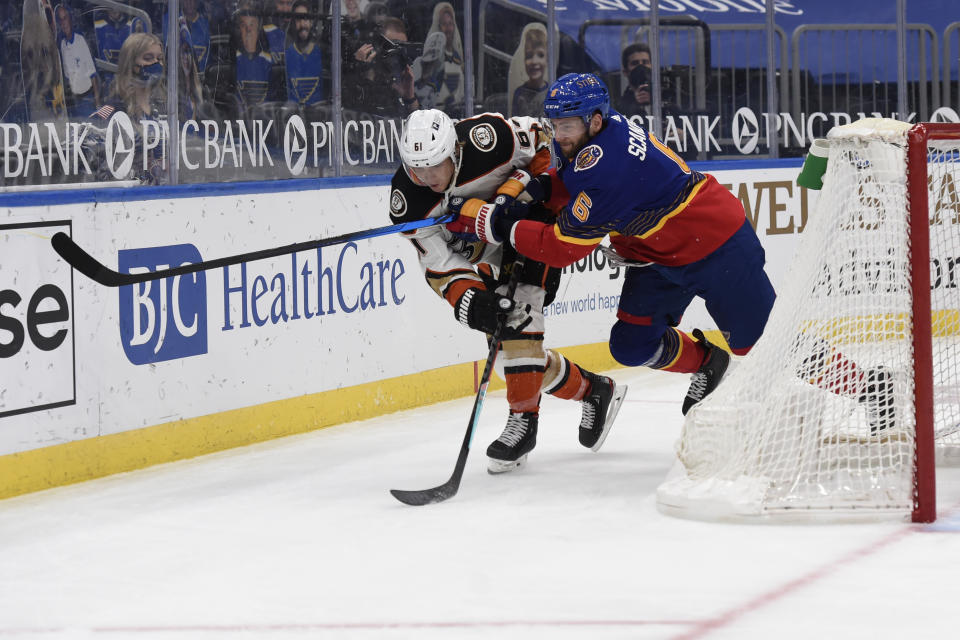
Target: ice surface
<point x="299" y="538"/>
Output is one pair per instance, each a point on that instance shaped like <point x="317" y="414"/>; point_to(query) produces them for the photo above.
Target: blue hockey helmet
<point x="577" y="94"/>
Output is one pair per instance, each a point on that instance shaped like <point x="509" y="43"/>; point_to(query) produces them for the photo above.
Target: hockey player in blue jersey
<point x="679" y="232"/>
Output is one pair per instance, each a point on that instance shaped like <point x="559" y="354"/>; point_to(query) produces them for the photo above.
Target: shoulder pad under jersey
<point x="410" y="201"/>
<point x="488" y="142"/>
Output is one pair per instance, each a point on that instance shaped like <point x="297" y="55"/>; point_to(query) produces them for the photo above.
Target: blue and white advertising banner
<point x="80" y="360"/>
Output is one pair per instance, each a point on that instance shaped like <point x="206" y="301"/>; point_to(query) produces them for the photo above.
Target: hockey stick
<point x="449" y="488"/>
<point x="90" y="267"/>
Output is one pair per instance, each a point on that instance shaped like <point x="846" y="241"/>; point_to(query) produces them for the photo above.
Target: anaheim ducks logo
<point x="587" y="157"/>
<point x="483" y="137"/>
<point x="398" y="204"/>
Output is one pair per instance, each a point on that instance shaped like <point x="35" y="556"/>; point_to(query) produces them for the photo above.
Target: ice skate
<point x="877" y="397"/>
<point x="708" y="376"/>
<point x="519" y="437"/>
<point x="600" y="408"/>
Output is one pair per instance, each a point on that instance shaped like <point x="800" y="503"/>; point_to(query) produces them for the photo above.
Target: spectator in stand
<point x="354" y="30"/>
<point x="199" y="28"/>
<point x="635" y="99"/>
<point x="528" y="72"/>
<point x="78" y="68"/>
<point x="358" y="30"/>
<point x="376" y="12"/>
<point x="253" y="64"/>
<point x="428" y="71"/>
<point x="192" y="106"/>
<point x="303" y="58"/>
<point x="219" y="13"/>
<point x="111" y="29"/>
<point x="275" y="28"/>
<point x="44" y="95"/>
<point x="138" y="90"/>
<point x="354" y="26"/>
<point x="137" y="25"/>
<point x="450" y="96"/>
<point x="384" y="84"/>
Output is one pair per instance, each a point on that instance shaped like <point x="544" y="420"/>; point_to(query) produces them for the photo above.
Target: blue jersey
<point x="628" y="184"/>
<point x="110" y="37"/>
<point x="276" y="40"/>
<point x="304" y="75"/>
<point x="199" y="38"/>
<point x="253" y="77"/>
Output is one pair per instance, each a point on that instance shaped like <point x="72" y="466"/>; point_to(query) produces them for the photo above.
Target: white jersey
<point x="77" y="64"/>
<point x="492" y="148"/>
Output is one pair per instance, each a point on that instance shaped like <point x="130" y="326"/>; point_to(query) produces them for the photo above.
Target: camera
<point x="393" y="57"/>
<point x="640" y="75"/>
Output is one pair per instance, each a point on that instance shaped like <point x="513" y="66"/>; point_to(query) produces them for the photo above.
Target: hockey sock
<point x="524" y="362"/>
<point x="679" y="353"/>
<point x="828" y="369"/>
<point x="840" y="375"/>
<point x="564" y="379"/>
<point x="523" y="390"/>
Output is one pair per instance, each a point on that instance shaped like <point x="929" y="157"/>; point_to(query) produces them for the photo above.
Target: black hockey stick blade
<point x="449" y="488"/>
<point x="86" y="264"/>
<point x="428" y="496"/>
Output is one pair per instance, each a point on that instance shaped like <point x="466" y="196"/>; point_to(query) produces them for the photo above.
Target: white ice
<point x="299" y="538"/>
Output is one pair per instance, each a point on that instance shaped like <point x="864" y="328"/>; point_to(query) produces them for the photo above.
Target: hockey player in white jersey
<point x="486" y="161"/>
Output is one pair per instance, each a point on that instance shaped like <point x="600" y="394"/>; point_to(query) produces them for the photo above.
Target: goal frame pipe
<point x="925" y="504"/>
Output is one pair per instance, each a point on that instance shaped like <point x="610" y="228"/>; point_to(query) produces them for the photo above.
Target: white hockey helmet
<point x="429" y="138"/>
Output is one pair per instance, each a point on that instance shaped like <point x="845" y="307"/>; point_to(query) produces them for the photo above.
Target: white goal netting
<point x="818" y="421"/>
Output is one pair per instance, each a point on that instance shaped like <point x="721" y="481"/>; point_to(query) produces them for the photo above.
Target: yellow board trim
<point x="82" y="460"/>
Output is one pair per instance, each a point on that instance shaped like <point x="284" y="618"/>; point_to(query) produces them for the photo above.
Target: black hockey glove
<point x="539" y="189"/>
<point x="481" y="310"/>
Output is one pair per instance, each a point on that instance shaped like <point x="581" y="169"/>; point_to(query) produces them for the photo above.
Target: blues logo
<point x="588" y="157"/>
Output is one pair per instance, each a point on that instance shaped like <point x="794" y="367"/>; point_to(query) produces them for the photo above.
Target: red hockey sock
<point x="840" y="376"/>
<point x="523" y="390"/>
<point x="689" y="357"/>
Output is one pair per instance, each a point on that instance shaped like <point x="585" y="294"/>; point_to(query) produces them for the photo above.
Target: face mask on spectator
<point x="151" y="74"/>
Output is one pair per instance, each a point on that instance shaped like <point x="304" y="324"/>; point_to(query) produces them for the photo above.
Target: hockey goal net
<point x="852" y="395"/>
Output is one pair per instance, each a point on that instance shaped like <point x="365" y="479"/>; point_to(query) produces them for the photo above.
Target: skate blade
<point x="619" y="392"/>
<point x="496" y="467"/>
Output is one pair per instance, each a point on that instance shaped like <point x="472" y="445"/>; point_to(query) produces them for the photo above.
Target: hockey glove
<point x="515" y="184"/>
<point x="454" y="206"/>
<point x="539" y="189"/>
<point x="490" y="221"/>
<point x="481" y="310"/>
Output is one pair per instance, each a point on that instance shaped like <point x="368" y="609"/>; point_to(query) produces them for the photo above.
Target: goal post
<point x="843" y="408"/>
